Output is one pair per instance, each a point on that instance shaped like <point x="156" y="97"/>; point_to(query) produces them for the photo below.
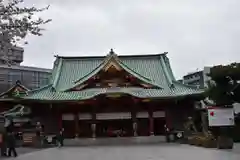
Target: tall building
<point x="11" y="71"/>
<point x="14" y="56"/>
<point x="199" y="78"/>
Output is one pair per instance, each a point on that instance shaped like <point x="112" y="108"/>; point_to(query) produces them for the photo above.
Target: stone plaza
<point x="133" y="152"/>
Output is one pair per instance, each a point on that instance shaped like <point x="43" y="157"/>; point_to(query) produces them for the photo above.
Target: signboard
<point x="221" y="117"/>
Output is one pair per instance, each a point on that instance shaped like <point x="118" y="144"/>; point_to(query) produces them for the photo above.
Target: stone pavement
<point x="24" y="150"/>
<point x="143" y="152"/>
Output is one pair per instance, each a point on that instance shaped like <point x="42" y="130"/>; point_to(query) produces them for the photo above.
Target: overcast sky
<point x="196" y="33"/>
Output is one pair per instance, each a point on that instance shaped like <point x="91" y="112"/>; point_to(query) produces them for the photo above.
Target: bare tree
<point x="16" y="22"/>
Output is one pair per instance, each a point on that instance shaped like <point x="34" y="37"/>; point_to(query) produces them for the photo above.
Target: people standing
<point x="11" y="145"/>
<point x="60" y="138"/>
<point x="167" y="133"/>
<point x="38" y="129"/>
<point x="3" y="145"/>
<point x="39" y="133"/>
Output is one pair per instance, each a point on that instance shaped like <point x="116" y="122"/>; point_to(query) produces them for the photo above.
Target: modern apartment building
<point x="198" y="78"/>
<point x="11" y="71"/>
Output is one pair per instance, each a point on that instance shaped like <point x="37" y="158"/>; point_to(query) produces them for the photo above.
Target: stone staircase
<point x="115" y="141"/>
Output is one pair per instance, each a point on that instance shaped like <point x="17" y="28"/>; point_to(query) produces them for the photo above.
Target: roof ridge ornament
<point x="111" y="55"/>
<point x="18" y="82"/>
<point x="111" y="52"/>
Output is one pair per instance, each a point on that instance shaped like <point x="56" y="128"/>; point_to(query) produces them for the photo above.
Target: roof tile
<point x="155" y="68"/>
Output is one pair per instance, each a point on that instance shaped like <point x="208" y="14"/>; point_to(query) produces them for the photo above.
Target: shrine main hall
<point x="100" y="95"/>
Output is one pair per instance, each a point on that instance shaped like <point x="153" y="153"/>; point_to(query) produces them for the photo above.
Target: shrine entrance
<point x="159" y="126"/>
<point x="117" y="124"/>
<point x="85" y="130"/>
<point x="143" y="127"/>
<point x="114" y="128"/>
<point x="159" y="122"/>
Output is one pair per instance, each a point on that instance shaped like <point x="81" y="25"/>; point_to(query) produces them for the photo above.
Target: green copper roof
<point x="69" y="72"/>
<point x="48" y="94"/>
<point x="152" y="67"/>
<point x="17" y="90"/>
<point x="113" y="57"/>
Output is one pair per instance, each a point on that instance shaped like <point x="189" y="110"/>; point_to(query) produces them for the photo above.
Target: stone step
<point x="115" y="141"/>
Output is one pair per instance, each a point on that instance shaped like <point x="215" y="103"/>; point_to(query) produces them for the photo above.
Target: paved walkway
<point x="146" y="152"/>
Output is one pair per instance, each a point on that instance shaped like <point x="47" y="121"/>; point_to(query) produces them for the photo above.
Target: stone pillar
<point x="151" y="123"/>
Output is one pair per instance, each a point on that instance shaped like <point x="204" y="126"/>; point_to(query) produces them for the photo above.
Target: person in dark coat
<point x="11" y="144"/>
<point x="60" y="138"/>
<point x="4" y="145"/>
<point x="167" y="133"/>
<point x="38" y="129"/>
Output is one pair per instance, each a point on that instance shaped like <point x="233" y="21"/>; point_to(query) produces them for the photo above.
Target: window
<point x="44" y="78"/>
<point x="35" y="80"/>
<point x="2" y="77"/>
<point x="13" y="76"/>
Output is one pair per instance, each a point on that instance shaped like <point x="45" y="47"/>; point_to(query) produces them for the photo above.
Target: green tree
<point x="16" y="22"/>
<point x="224" y="86"/>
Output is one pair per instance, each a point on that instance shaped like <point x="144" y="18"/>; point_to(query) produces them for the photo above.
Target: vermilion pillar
<point x="93" y="125"/>
<point x="76" y="125"/>
<point x="134" y="118"/>
<point x="60" y="121"/>
<point x="168" y="119"/>
<point x="151" y="123"/>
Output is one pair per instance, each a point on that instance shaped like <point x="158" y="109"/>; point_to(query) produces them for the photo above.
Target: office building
<point x="199" y="78"/>
<point x="11" y="71"/>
